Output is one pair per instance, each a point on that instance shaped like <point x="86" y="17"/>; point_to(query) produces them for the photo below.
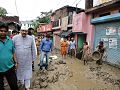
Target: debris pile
<point x="99" y="74"/>
<point x="57" y="71"/>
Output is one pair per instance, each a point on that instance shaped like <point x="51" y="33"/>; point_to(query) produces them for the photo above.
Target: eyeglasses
<point x="3" y="31"/>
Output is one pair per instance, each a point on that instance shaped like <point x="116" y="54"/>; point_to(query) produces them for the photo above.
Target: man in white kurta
<point x="25" y="49"/>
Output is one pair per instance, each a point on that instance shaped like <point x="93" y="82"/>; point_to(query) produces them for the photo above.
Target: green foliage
<point x="43" y="18"/>
<point x="3" y="11"/>
<point x="35" y="24"/>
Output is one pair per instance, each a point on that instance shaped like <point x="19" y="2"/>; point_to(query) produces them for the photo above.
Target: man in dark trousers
<point x="7" y="59"/>
<point x="30" y="32"/>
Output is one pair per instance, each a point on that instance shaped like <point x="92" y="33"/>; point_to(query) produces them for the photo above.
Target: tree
<point x="43" y="18"/>
<point x="3" y="11"/>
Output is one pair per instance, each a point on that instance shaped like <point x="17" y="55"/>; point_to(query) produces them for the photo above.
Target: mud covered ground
<point x="75" y="76"/>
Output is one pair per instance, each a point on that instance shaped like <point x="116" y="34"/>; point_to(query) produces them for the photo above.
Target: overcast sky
<point x="30" y="9"/>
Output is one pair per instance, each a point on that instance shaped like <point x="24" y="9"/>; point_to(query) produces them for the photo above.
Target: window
<point x="70" y="14"/>
<point x="56" y="23"/>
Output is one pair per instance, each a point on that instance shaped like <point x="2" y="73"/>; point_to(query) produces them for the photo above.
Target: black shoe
<point x="46" y="67"/>
<point x="41" y="68"/>
<point x="33" y="69"/>
<point x="21" y="87"/>
<point x="38" y="64"/>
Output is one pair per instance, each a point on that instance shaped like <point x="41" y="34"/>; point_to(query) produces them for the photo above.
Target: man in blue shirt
<point x="7" y="59"/>
<point x="45" y="49"/>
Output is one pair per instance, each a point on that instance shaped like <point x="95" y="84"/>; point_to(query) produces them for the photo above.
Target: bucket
<point x="96" y="55"/>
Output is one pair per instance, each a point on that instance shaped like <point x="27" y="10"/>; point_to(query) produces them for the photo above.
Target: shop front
<point x="107" y="29"/>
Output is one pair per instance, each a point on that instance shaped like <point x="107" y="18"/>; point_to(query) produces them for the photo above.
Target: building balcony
<point x="57" y="24"/>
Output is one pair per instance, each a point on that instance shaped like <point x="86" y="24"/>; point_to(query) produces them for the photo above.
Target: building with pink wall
<point x="62" y="20"/>
<point x="83" y="29"/>
<point x="77" y="23"/>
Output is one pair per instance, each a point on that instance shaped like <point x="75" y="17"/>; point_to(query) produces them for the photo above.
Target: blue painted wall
<point x="100" y="32"/>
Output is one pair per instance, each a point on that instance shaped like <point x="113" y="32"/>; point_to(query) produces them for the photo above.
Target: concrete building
<point x="26" y="24"/>
<point x="69" y="22"/>
<point x="62" y="23"/>
<point x="105" y="16"/>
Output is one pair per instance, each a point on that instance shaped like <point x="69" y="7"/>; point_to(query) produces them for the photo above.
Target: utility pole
<point x="76" y="8"/>
<point x="77" y="5"/>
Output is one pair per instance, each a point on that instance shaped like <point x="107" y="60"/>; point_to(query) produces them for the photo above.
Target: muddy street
<point x="75" y="76"/>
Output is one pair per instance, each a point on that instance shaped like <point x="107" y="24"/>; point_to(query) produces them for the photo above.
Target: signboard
<point x="48" y="27"/>
<point x="41" y="28"/>
<point x="113" y="43"/>
<point x="110" y="31"/>
<point x="105" y="40"/>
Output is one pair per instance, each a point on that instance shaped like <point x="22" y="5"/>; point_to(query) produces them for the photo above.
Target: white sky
<point x="30" y="9"/>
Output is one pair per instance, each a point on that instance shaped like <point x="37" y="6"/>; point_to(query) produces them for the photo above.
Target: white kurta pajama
<point x="25" y="49"/>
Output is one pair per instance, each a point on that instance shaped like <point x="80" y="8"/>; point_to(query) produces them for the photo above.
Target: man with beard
<point x="7" y="59"/>
<point x="25" y="54"/>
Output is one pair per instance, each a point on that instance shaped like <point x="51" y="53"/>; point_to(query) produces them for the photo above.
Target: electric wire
<point x="16" y="8"/>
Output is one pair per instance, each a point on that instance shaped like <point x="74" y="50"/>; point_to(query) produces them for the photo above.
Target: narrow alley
<point x="82" y="38"/>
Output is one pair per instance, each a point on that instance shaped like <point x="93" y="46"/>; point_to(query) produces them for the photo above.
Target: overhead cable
<point x="78" y="2"/>
<point x="16" y="7"/>
<point x="74" y="2"/>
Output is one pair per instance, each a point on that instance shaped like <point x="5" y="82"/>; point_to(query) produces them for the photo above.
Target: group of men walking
<point x="17" y="56"/>
<point x="68" y="47"/>
<point x="18" y="53"/>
